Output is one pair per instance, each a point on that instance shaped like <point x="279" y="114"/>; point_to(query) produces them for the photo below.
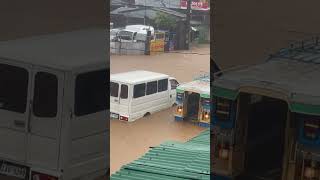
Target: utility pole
<point x="188" y="26"/>
<point x="145" y="12"/>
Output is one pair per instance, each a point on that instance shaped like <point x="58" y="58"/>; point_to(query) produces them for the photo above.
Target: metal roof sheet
<point x="171" y="161"/>
<point x="150" y="12"/>
<point x="159" y="3"/>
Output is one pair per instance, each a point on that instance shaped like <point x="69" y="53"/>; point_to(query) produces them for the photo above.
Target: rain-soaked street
<point x="129" y="141"/>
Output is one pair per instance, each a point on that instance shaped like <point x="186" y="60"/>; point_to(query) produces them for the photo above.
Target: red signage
<point x="196" y="4"/>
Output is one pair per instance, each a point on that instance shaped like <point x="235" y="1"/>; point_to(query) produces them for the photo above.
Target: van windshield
<point x="125" y="35"/>
<point x="91" y="92"/>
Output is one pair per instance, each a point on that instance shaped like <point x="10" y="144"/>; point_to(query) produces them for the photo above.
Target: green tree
<point x="164" y="21"/>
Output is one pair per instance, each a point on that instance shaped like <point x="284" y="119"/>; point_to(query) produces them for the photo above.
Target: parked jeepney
<point x="193" y="101"/>
<point x="266" y="118"/>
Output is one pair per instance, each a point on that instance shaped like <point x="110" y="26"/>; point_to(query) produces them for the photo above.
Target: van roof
<point x="134" y="77"/>
<point x="62" y="51"/>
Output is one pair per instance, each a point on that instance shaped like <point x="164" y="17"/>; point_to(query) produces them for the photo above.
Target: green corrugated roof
<point x="171" y="161"/>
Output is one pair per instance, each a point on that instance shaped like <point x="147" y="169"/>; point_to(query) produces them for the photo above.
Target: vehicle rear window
<point x="91" y="92"/>
<point x="139" y="90"/>
<point x="114" y="89"/>
<point x="14" y="88"/>
<point x="152" y="87"/>
<point x="162" y="85"/>
<point x="45" y="95"/>
<point x="124" y="91"/>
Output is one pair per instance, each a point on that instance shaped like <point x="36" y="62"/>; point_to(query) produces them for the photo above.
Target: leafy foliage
<point x="164" y="21"/>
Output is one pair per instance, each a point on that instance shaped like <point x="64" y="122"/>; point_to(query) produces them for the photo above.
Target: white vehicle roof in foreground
<point x="63" y="51"/>
<point x="134" y="77"/>
<point x="138" y="27"/>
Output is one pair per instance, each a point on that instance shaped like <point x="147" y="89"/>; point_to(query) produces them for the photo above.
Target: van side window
<point x="139" y="90"/>
<point x="152" y="87"/>
<point x="162" y="85"/>
<point x="91" y="93"/>
<point x="14" y="88"/>
<point x="114" y="89"/>
<point x="124" y="91"/>
<point x="174" y="84"/>
<point x="45" y="95"/>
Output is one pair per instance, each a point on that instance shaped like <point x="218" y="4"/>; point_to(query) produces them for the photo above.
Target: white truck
<point x="54" y="106"/>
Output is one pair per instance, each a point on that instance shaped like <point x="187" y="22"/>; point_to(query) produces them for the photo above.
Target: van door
<point x="89" y="122"/>
<point x="114" y="99"/>
<point x="15" y="82"/>
<point x="45" y="119"/>
<point x="173" y="93"/>
<point x="124" y="100"/>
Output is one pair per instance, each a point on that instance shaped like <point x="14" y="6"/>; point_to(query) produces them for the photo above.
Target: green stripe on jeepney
<point x="305" y="108"/>
<point x="293" y="106"/>
<point x="225" y="93"/>
<point x="205" y="95"/>
<point x="179" y="90"/>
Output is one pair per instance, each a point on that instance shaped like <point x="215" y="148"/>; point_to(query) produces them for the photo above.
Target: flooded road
<point x="129" y="141"/>
<point x="183" y="65"/>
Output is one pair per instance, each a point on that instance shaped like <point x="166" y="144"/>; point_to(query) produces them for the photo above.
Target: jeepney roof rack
<point x="307" y="51"/>
<point x="203" y="76"/>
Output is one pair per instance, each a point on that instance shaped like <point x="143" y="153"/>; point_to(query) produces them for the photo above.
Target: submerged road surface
<point x="129" y="141"/>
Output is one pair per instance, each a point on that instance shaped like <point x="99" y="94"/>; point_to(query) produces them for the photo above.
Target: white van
<point x="140" y="29"/>
<point x="139" y="93"/>
<point x="53" y="106"/>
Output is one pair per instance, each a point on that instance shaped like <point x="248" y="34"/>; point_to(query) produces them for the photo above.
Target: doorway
<point x="266" y="125"/>
<point x="193" y="106"/>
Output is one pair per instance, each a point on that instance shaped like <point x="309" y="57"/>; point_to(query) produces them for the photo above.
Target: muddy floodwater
<point x="129" y="141"/>
<point x="183" y="65"/>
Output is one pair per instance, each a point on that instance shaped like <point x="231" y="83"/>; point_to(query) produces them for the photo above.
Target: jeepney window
<point x="152" y="87"/>
<point x="114" y="89"/>
<point x="174" y="84"/>
<point x="206" y="101"/>
<point x="139" y="90"/>
<point x="14" y="88"/>
<point x="180" y="96"/>
<point x="311" y="127"/>
<point x="162" y="85"/>
<point x="91" y="92"/>
<point x="223" y="108"/>
<point x="45" y="95"/>
<point x="124" y="91"/>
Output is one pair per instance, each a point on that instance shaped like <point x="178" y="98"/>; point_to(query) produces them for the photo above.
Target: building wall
<point x="247" y="31"/>
<point x="127" y="48"/>
<point x="32" y="17"/>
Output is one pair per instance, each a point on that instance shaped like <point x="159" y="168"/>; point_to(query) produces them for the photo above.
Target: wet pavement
<point x="129" y="141"/>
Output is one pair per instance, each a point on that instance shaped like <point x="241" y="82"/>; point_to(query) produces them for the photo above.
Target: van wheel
<point x="146" y="114"/>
